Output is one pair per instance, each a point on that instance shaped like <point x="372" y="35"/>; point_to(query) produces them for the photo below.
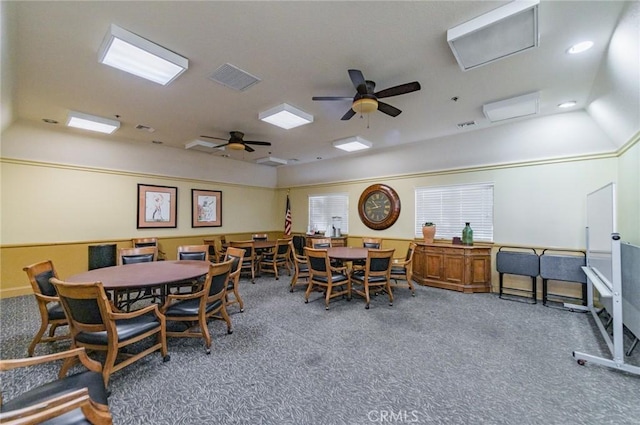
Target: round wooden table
<point x="345" y="253"/>
<point x="142" y="276"/>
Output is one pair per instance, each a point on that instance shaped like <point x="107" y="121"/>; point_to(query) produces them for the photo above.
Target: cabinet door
<point x="480" y="269"/>
<point x="454" y="268"/>
<point x="434" y="263"/>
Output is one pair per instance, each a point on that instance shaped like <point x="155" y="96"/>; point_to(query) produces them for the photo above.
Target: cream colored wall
<point x="534" y="205"/>
<point x="629" y="194"/>
<point x="46" y="203"/>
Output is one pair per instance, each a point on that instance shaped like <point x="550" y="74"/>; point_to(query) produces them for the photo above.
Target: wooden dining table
<point x="142" y="276"/>
<point x="347" y="253"/>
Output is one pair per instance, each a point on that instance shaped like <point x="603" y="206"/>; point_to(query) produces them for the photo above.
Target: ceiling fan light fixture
<point x="92" y="122"/>
<point x="236" y="146"/>
<point x="365" y="105"/>
<point x="131" y="53"/>
<point x="352" y="144"/>
<point x="286" y="116"/>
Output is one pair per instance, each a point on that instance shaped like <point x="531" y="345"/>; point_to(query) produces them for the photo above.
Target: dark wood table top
<point x="347" y="253"/>
<point x="143" y="275"/>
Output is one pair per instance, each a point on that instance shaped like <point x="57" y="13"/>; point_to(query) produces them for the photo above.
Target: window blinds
<point x="322" y="209"/>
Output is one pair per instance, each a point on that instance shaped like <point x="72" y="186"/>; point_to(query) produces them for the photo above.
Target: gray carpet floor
<point x="440" y="357"/>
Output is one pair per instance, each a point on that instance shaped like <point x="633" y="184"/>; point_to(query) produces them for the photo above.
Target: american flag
<point x="287" y="218"/>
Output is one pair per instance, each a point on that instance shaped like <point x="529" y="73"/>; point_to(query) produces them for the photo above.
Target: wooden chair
<point x="320" y="243"/>
<point x="146" y="242"/>
<point x="279" y="257"/>
<point x="249" y="260"/>
<point x="300" y="269"/>
<point x="325" y="277"/>
<point x="197" y="308"/>
<point x="235" y="255"/>
<point x="216" y="249"/>
<point x="51" y="312"/>
<point x="81" y="397"/>
<point x="402" y="269"/>
<point x="376" y="275"/>
<point x="192" y="253"/>
<point x="372" y="243"/>
<point x="137" y="255"/>
<point x="260" y="237"/>
<point x="96" y="325"/>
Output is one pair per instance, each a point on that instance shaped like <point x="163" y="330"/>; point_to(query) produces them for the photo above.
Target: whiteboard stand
<point x="616" y="345"/>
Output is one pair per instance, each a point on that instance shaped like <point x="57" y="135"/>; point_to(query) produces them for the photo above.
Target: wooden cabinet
<point x="458" y="267"/>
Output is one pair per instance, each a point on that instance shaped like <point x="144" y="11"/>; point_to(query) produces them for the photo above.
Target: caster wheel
<point x="390" y="304"/>
<point x="291" y="290"/>
<point x="242" y="310"/>
<point x="306" y="301"/>
<point x="413" y="295"/>
<point x="366" y="307"/>
<point x="166" y="358"/>
<point x="582" y="362"/>
<point x="207" y="350"/>
<point x="229" y="331"/>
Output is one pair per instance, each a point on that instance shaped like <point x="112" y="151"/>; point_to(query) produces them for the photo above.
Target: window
<point x="450" y="207"/>
<point x="326" y="209"/>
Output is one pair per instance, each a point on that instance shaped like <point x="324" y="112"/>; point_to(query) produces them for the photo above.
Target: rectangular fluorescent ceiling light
<point x="272" y="161"/>
<point x="203" y="146"/>
<point x="515" y="107"/>
<point x="92" y="122"/>
<point x="286" y="116"/>
<point x="131" y="53"/>
<point x="352" y="144"/>
<point x="505" y="31"/>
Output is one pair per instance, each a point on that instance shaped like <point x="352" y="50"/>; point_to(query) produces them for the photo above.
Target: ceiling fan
<point x="236" y="142"/>
<point x="366" y="100"/>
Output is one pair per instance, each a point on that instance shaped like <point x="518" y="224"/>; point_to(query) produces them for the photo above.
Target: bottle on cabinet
<point x="467" y="234"/>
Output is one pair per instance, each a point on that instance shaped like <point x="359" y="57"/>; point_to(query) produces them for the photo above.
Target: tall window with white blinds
<point x="450" y="207"/>
<point x="323" y="209"/>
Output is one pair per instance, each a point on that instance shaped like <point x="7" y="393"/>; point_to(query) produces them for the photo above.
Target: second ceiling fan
<point x="237" y="142"/>
<point x="366" y="100"/>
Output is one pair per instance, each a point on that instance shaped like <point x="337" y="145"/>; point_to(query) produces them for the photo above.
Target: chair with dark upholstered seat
<point x="279" y="257"/>
<point x="320" y="243"/>
<point x="96" y="325"/>
<point x="249" y="260"/>
<point x="51" y="312"/>
<point x="371" y="243"/>
<point x="197" y="308"/>
<point x="376" y="275"/>
<point x="260" y="237"/>
<point x="332" y="280"/>
<point x="193" y="252"/>
<point x="300" y="270"/>
<point x="402" y="269"/>
<point x="146" y="242"/>
<point x="78" y="398"/>
<point x="235" y="255"/>
<point x="137" y="255"/>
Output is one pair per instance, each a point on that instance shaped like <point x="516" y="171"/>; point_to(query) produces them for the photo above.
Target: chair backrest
<point x="217" y="280"/>
<point x="248" y="246"/>
<point x="375" y="243"/>
<point x="260" y="237"/>
<point x="318" y="260"/>
<point x="39" y="275"/>
<point x="86" y="306"/>
<point x="144" y="242"/>
<point x="193" y="252"/>
<point x="283" y="248"/>
<point x="137" y="255"/>
<point x="299" y="242"/>
<point x="321" y="243"/>
<point x="235" y="255"/>
<point x="379" y="262"/>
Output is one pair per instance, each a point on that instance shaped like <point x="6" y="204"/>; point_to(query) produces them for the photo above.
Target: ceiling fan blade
<point x="220" y="146"/>
<point x="350" y="113"/>
<point x="217" y="138"/>
<point x="249" y="148"/>
<point x="398" y="90"/>
<point x="358" y="80"/>
<point x="388" y="109"/>
<point x="257" y="143"/>
<point x="331" y="98"/>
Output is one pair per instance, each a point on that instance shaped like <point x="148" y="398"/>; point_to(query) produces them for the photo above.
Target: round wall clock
<point x="379" y="206"/>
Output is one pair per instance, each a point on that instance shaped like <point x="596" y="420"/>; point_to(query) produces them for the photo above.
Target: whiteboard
<point x="601" y="223"/>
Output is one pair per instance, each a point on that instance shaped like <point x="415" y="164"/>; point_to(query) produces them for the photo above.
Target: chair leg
<point x="366" y="295"/>
<point x="37" y="338"/>
<point x="109" y="362"/>
<point x="225" y="316"/>
<point x="205" y="334"/>
<point x="238" y="298"/>
<point x="327" y="297"/>
<point x="388" y="286"/>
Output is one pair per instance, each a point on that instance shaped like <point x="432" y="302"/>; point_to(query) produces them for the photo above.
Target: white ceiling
<point x="298" y="50"/>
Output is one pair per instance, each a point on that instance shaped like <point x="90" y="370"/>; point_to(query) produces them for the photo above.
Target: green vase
<point x="467" y="235"/>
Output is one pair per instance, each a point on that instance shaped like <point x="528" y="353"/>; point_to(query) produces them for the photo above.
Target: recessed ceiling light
<point x="92" y="122"/>
<point x="567" y="104"/>
<point x="580" y="47"/>
<point x="286" y="116"/>
<point x="131" y="53"/>
<point x="352" y="144"/>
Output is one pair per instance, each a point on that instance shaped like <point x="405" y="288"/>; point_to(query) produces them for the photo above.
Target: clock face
<point x="379" y="206"/>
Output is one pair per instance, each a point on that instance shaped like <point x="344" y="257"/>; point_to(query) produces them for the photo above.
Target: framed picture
<point x="157" y="206"/>
<point x="206" y="208"/>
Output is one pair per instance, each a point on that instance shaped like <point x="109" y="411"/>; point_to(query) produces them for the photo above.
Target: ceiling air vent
<point x="233" y="77"/>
